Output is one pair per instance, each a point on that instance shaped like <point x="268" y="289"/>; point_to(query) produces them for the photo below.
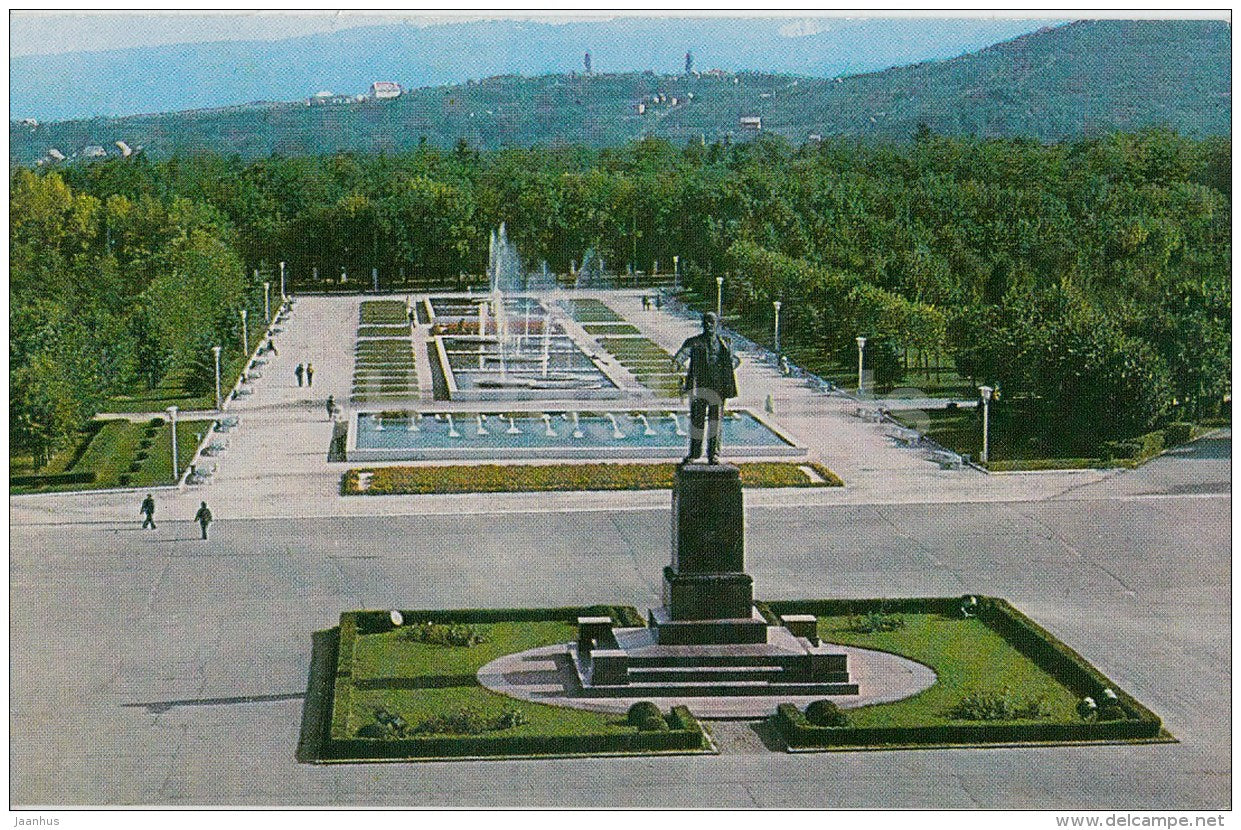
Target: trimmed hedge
<point x="377" y="622"/>
<point x="1033" y="641"/>
<point x="1178" y="432"/>
<point x="49" y="479"/>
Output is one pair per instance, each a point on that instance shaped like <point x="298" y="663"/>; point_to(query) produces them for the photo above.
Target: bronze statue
<point x="709" y="382"/>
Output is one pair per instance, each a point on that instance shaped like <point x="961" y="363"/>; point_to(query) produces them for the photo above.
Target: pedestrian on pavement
<point x="298" y="371"/>
<point x="271" y="347"/>
<point x="310" y="374"/>
<point x="331" y="407"/>
<point x="148" y="507"/>
<point x="203" y="517"/>
<point x="659" y="301"/>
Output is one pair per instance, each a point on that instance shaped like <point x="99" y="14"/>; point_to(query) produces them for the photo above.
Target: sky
<point x="45" y="33"/>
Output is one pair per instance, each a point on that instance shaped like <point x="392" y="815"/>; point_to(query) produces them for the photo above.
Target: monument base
<point x="670" y="632"/>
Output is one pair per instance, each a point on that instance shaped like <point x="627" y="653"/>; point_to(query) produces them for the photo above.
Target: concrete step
<point x="707" y="674"/>
<point x="722" y="689"/>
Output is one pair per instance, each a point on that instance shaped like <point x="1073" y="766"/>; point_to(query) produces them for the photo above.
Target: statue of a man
<point x="709" y="382"/>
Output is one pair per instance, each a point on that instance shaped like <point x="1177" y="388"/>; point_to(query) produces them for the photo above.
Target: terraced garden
<point x="384" y="368"/>
<point x="649" y="362"/>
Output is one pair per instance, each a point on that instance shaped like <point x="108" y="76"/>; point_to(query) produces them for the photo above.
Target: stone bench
<point x="947" y="460"/>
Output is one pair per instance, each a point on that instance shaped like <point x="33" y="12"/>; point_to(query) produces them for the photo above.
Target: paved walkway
<point x="276" y="464"/>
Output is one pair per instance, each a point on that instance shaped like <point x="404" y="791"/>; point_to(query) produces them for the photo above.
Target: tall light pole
<point x="719" y="297"/>
<point x="776" y="305"/>
<point x="176" y="467"/>
<point x="676" y="272"/>
<point x="267" y="301"/>
<point x="218" y="403"/>
<point x="986" y="392"/>
<point x="861" y="349"/>
<point x="245" y="336"/>
<point x="282" y="294"/>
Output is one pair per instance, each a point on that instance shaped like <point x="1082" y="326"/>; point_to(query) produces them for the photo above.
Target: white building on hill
<point x="385" y="89"/>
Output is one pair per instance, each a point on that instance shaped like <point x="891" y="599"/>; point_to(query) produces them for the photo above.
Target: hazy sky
<point x="32" y="33"/>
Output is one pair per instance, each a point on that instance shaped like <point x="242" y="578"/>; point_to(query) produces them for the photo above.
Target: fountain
<point x="533" y="435"/>
<point x="592" y="273"/>
<point x="413" y="423"/>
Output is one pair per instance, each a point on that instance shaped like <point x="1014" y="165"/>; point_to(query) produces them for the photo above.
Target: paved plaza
<point x="177" y="668"/>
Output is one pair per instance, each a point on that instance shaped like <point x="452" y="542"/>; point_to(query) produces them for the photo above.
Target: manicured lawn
<point x="123" y="454"/>
<point x="967" y="656"/>
<point x="173" y="391"/>
<point x="496" y="478"/>
<point x="591" y="311"/>
<point x="419" y="681"/>
<point x="382" y="313"/>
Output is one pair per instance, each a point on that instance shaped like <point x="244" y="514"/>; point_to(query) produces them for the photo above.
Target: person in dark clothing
<point x="331" y="407"/>
<point x="310" y="374"/>
<point x="148" y="507"/>
<point x="709" y="382"/>
<point x="271" y="347"/>
<point x="298" y="371"/>
<point x="203" y="517"/>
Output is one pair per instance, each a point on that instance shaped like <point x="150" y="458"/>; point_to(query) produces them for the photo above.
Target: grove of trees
<point x="1089" y="279"/>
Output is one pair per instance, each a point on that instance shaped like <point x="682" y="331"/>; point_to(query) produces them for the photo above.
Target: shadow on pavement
<point x="317" y="709"/>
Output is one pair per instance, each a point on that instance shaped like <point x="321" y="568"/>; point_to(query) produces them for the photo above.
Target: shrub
<point x="1112" y="711"/>
<point x="454" y="635"/>
<point x="123" y="479"/>
<point x="1178" y="432"/>
<point x="653" y="723"/>
<point x="641" y="711"/>
<point x="510" y="718"/>
<point x="997" y="706"/>
<point x="465" y="721"/>
<point x="155" y="423"/>
<point x="876" y="621"/>
<point x="825" y="713"/>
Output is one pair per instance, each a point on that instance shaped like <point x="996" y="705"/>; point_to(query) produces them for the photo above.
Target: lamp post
<point x="776" y="305"/>
<point x="861" y="349"/>
<point x="215" y="350"/>
<point x="282" y="294"/>
<point x="676" y="272"/>
<point x="245" y="335"/>
<point x="986" y="392"/>
<point x="176" y="467"/>
<point x="267" y="301"/>
<point x="719" y="297"/>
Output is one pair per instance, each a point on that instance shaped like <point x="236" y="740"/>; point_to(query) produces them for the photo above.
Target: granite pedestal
<point x="707" y="639"/>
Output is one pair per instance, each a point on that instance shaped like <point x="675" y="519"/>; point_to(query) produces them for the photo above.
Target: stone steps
<point x="723" y="688"/>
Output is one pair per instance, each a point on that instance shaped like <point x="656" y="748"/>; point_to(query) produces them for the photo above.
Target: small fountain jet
<point x="577" y="431"/>
<point x="547" y="424"/>
<point x="413" y="423"/>
<point x="646" y="424"/>
<point x="676" y="423"/>
<point x="512" y="427"/>
<point x="452" y="430"/>
<point x="616" y="433"/>
<point x="482" y="430"/>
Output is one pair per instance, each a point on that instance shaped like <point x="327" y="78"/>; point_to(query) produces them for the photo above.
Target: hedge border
<point x="685" y="735"/>
<point x="1022" y="633"/>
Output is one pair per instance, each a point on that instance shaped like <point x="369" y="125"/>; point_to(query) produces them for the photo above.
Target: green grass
<point x="967" y="656"/>
<point x="418" y="680"/>
<point x="610" y="328"/>
<point x="586" y="310"/>
<point x="173" y="391"/>
<point x="384" y="331"/>
<point x="110" y="451"/>
<point x="382" y="313"/>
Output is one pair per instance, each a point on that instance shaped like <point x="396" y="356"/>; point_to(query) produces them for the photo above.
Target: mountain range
<point x="1054" y="84"/>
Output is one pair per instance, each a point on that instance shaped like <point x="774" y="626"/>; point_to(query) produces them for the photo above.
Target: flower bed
<point x="503" y="478"/>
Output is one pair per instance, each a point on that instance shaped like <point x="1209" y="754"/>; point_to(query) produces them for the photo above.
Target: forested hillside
<point x="1082" y="79"/>
<point x="1089" y="279"/>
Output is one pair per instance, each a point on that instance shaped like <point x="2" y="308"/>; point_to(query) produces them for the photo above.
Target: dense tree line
<point x="1079" y="276"/>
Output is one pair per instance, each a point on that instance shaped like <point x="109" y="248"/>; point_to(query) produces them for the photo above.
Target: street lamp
<point x="267" y="301"/>
<point x="719" y="296"/>
<point x="216" y="351"/>
<point x="861" y="348"/>
<point x="282" y="294"/>
<point x="776" y="305"/>
<point x="986" y="392"/>
<point x="245" y="335"/>
<point x="676" y="272"/>
<point x="176" y="467"/>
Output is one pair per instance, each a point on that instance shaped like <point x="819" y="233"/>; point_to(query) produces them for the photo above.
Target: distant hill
<point x="193" y="75"/>
<point x="1082" y="78"/>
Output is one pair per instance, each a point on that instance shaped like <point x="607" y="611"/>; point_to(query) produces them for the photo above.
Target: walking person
<point x="203" y="517"/>
<point x="148" y="508"/>
<point x="331" y="407"/>
<point x="298" y="371"/>
<point x="271" y="347"/>
<point x="310" y="374"/>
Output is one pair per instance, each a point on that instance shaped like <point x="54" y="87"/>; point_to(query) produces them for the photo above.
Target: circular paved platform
<point x="545" y="675"/>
